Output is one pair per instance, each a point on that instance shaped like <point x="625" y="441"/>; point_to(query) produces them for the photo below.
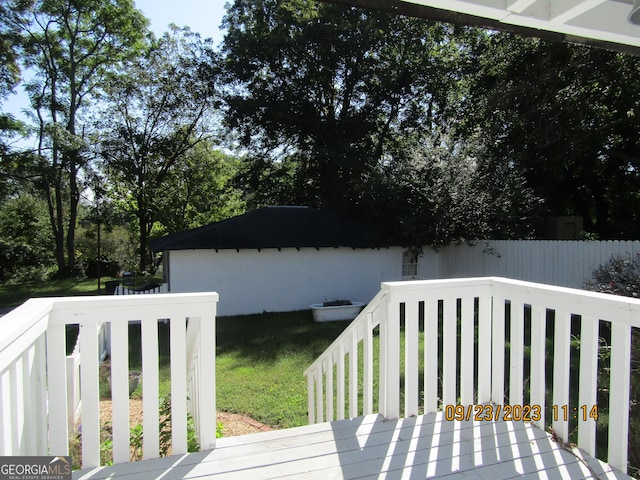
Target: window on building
<point x="409" y="264"/>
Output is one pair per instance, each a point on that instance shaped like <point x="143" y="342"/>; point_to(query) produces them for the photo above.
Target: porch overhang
<point x="599" y="23"/>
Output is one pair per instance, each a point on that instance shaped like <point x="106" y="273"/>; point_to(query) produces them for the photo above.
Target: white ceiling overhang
<point x="596" y="19"/>
<point x="596" y="22"/>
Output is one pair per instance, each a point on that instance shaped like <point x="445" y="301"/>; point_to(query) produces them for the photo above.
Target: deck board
<point x="420" y="447"/>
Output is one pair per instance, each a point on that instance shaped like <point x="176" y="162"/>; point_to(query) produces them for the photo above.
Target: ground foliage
<point x="25" y="240"/>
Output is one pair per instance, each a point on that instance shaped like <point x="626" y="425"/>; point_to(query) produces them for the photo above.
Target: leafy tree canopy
<point x="459" y="191"/>
<point x="568" y="117"/>
<point x="25" y="240"/>
<point x="357" y="111"/>
<point x="199" y="191"/>
<point x="72" y="46"/>
<point x="320" y="93"/>
<point x="160" y="108"/>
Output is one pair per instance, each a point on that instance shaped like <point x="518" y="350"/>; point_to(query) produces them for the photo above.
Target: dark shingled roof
<point x="275" y="227"/>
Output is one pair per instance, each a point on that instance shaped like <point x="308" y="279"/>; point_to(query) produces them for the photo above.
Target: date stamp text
<point x="527" y="413"/>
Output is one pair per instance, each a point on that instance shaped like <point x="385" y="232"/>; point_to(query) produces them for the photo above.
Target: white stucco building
<point x="284" y="259"/>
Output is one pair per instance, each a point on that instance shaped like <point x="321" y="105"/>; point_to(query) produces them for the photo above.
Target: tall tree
<point x="159" y="110"/>
<point x="199" y="190"/>
<point x="11" y="14"/>
<point x="321" y="93"/>
<point x="459" y="191"/>
<point x="25" y="241"/>
<point x="568" y="117"/>
<point x="73" y="46"/>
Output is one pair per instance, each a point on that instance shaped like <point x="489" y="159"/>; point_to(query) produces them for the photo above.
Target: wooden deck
<point x="426" y="446"/>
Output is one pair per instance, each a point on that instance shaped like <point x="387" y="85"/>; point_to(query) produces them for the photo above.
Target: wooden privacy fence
<point x="554" y="262"/>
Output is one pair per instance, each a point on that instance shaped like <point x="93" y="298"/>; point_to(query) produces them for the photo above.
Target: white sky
<point x="202" y="16"/>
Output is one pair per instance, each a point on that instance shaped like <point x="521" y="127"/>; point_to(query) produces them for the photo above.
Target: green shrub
<point x="619" y="276"/>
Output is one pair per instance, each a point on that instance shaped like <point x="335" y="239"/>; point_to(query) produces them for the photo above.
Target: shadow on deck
<point x="426" y="446"/>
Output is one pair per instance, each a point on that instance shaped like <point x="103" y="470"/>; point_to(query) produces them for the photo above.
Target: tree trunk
<point x="58" y="234"/>
<point x="74" y="198"/>
<point x="73" y="157"/>
<point x="54" y="206"/>
<point x="145" y="224"/>
<point x="144" y="241"/>
<point x="144" y="228"/>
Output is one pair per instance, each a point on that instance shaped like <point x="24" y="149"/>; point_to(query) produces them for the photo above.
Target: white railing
<point x="200" y="382"/>
<point x="73" y="387"/>
<point x="468" y="361"/>
<point x="34" y="412"/>
<point x="122" y="290"/>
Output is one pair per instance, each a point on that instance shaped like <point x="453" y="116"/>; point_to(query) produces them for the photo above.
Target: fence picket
<point x="17" y="402"/>
<point x="561" y="365"/>
<point x="431" y="356"/>
<point x="353" y="376"/>
<point x="588" y="388"/>
<point x="319" y="394"/>
<point x="58" y="426"/>
<point x="330" y="390"/>
<point x="516" y="356"/>
<point x="150" y="403"/>
<point x="538" y="383"/>
<point x="449" y="351"/>
<point x="6" y="446"/>
<point x="120" y="390"/>
<point x="367" y="402"/>
<point x="467" y="351"/>
<point x="411" y="358"/>
<point x="90" y="395"/>
<point x="484" y="348"/>
<point x="178" y="342"/>
<point x="619" y="399"/>
<point x="497" y="351"/>
<point x="340" y="379"/>
<point x="310" y="398"/>
<point x="390" y="356"/>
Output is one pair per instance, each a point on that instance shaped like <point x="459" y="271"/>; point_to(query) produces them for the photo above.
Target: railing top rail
<point x="30" y="318"/>
<point x="601" y="305"/>
<point x="66" y="308"/>
<point x="135" y="300"/>
<point x="418" y="285"/>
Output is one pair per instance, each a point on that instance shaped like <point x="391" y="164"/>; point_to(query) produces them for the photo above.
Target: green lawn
<point x="12" y="295"/>
<point x="260" y="361"/>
